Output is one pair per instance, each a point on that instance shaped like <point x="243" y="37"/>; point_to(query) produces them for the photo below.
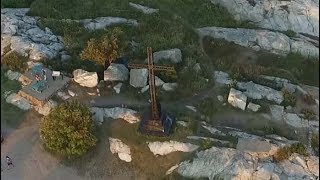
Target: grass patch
<point x="16" y="3"/>
<point x="15" y="62"/>
<point x="209" y="106"/>
<point x="286" y="152"/>
<point x="315" y="143"/>
<point x="288" y="99"/>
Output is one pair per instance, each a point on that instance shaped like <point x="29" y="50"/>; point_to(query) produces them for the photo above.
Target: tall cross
<point x="154" y="123"/>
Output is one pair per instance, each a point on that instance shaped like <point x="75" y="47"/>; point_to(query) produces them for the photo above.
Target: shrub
<point x="309" y="114"/>
<point x="15" y="62"/>
<point x="285" y="152"/>
<point x="246" y="71"/>
<point x="68" y="129"/>
<point x="315" y="143"/>
<point x="208" y="107"/>
<point x="106" y="49"/>
<point x="288" y="98"/>
<point x="206" y="143"/>
<point x="309" y="99"/>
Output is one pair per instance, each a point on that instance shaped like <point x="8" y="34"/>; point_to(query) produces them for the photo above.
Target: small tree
<point x="68" y="129"/>
<point x="106" y="49"/>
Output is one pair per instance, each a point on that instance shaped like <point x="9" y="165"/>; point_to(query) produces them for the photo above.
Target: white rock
<point x="46" y="108"/>
<point x="123" y="150"/>
<point x="164" y="148"/>
<point x="144" y="9"/>
<point x="192" y="108"/>
<point x="313" y="165"/>
<point x="222" y="78"/>
<point x="103" y="22"/>
<point x="174" y="55"/>
<point x="128" y="115"/>
<point x="63" y="95"/>
<point x="169" y="86"/>
<point x="237" y="99"/>
<point x="71" y="93"/>
<point x="220" y="98"/>
<point x="144" y="89"/>
<point x="277" y="112"/>
<point x="138" y="77"/>
<point x="295" y="121"/>
<point x="116" y="72"/>
<point x="18" y="101"/>
<point x="253" y="107"/>
<point x="84" y="78"/>
<point x="117" y="87"/>
<point x="97" y="114"/>
<point x="169" y="171"/>
<point x="13" y="75"/>
<point x="182" y="123"/>
<point x="291" y="169"/>
<point x="158" y="81"/>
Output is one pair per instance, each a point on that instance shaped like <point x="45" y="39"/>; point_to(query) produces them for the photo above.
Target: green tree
<point x="105" y="49"/>
<point x="68" y="129"/>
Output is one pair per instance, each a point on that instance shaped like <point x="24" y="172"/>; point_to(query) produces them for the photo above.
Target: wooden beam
<point x="156" y="67"/>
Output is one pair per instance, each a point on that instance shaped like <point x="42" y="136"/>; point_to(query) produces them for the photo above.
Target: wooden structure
<point x="155" y="121"/>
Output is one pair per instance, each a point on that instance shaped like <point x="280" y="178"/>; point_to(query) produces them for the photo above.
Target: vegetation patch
<point x="288" y="99"/>
<point x="16" y="3"/>
<point x="68" y="130"/>
<point x="15" y="62"/>
<point x="309" y="114"/>
<point x="286" y="152"/>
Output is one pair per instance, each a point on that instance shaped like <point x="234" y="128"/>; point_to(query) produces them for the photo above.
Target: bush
<point x="309" y="114"/>
<point x="285" y="152"/>
<point x="246" y="71"/>
<point x="15" y="62"/>
<point x="206" y="143"/>
<point x="309" y="99"/>
<point x="106" y="49"/>
<point x="315" y="143"/>
<point x="68" y="129"/>
<point x="288" y="99"/>
<point x="208" y="106"/>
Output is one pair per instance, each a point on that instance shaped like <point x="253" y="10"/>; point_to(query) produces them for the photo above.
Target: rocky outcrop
<point x="237" y="99"/>
<point x="129" y="115"/>
<point x="164" y="148"/>
<point x="118" y="147"/>
<point x="18" y="101"/>
<point x="84" y="78"/>
<point x="274" y="42"/>
<point x="138" y="77"/>
<point x="103" y="22"/>
<point x="301" y="16"/>
<point x="257" y="91"/>
<point x="144" y="9"/>
<point x="116" y="72"/>
<point x="174" y="55"/>
<point x="21" y="34"/>
<point x="46" y="108"/>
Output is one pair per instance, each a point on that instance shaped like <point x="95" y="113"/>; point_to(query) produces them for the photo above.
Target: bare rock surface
<point x="103" y="22"/>
<point x="18" y="101"/>
<point x="118" y="147"/>
<point x="144" y="9"/>
<point x="164" y="148"/>
<point x="138" y="77"/>
<point x="237" y="99"/>
<point x="174" y="55"/>
<point x="46" y="108"/>
<point x="116" y="72"/>
<point x="85" y="78"/>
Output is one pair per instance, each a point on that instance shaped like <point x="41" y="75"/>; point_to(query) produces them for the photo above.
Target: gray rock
<point x="295" y="121"/>
<point x="295" y="15"/>
<point x="65" y="57"/>
<point x="117" y="87"/>
<point x="63" y="95"/>
<point x="253" y="145"/>
<point x="290" y="87"/>
<point x="97" y="114"/>
<point x="144" y="9"/>
<point x="158" y="81"/>
<point x="220" y="98"/>
<point x="222" y="78"/>
<point x="253" y="107"/>
<point x="13" y="75"/>
<point x="138" y="77"/>
<point x="237" y="99"/>
<point x="164" y="148"/>
<point x="46" y="108"/>
<point x="192" y="108"/>
<point x="84" y="78"/>
<point x="103" y="22"/>
<point x="293" y="170"/>
<point x="144" y="89"/>
<point x="277" y="112"/>
<point x="174" y="55"/>
<point x="257" y="91"/>
<point x="128" y="115"/>
<point x="123" y="150"/>
<point x="18" y="101"/>
<point x="169" y="86"/>
<point x="116" y="72"/>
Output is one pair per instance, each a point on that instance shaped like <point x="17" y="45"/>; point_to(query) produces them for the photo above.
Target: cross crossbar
<point x="155" y="67"/>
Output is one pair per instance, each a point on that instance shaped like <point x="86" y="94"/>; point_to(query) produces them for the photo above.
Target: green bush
<point x="285" y="152"/>
<point x="288" y="99"/>
<point x="309" y="114"/>
<point x="206" y="143"/>
<point x="68" y="129"/>
<point x="246" y="71"/>
<point x="15" y="62"/>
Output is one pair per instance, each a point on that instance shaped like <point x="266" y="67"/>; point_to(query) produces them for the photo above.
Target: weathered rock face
<point x="164" y="148"/>
<point x="274" y="42"/>
<point x="237" y="99"/>
<point x="84" y="78"/>
<point x="277" y="112"/>
<point x="128" y="115"/>
<point x="296" y="15"/>
<point x="103" y="22"/>
<point x="21" y="33"/>
<point x="116" y="72"/>
<point x="138" y="77"/>
<point x="144" y="9"/>
<point x="257" y="91"/>
<point x="169" y="86"/>
<point x="45" y="110"/>
<point x="123" y="150"/>
<point x="222" y="78"/>
<point x="18" y="101"/>
<point x="295" y="121"/>
<point x="174" y="55"/>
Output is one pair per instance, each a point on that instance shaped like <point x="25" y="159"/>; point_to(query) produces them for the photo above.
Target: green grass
<point x="16" y="3"/>
<point x="11" y="114"/>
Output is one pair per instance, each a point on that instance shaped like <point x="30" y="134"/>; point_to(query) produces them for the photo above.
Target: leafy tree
<point x="68" y="129"/>
<point x="105" y="49"/>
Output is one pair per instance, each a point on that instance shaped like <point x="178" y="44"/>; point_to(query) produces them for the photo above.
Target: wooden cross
<point x="154" y="123"/>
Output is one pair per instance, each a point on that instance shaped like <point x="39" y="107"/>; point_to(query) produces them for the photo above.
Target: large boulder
<point x="123" y="150"/>
<point x="295" y="15"/>
<point x="257" y="91"/>
<point x="116" y="72"/>
<point x="144" y="9"/>
<point x="174" y="55"/>
<point x="18" y="101"/>
<point x="128" y="115"/>
<point x="46" y="108"/>
<point x="84" y="78"/>
<point x="237" y="99"/>
<point x="138" y="77"/>
<point x="164" y="148"/>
